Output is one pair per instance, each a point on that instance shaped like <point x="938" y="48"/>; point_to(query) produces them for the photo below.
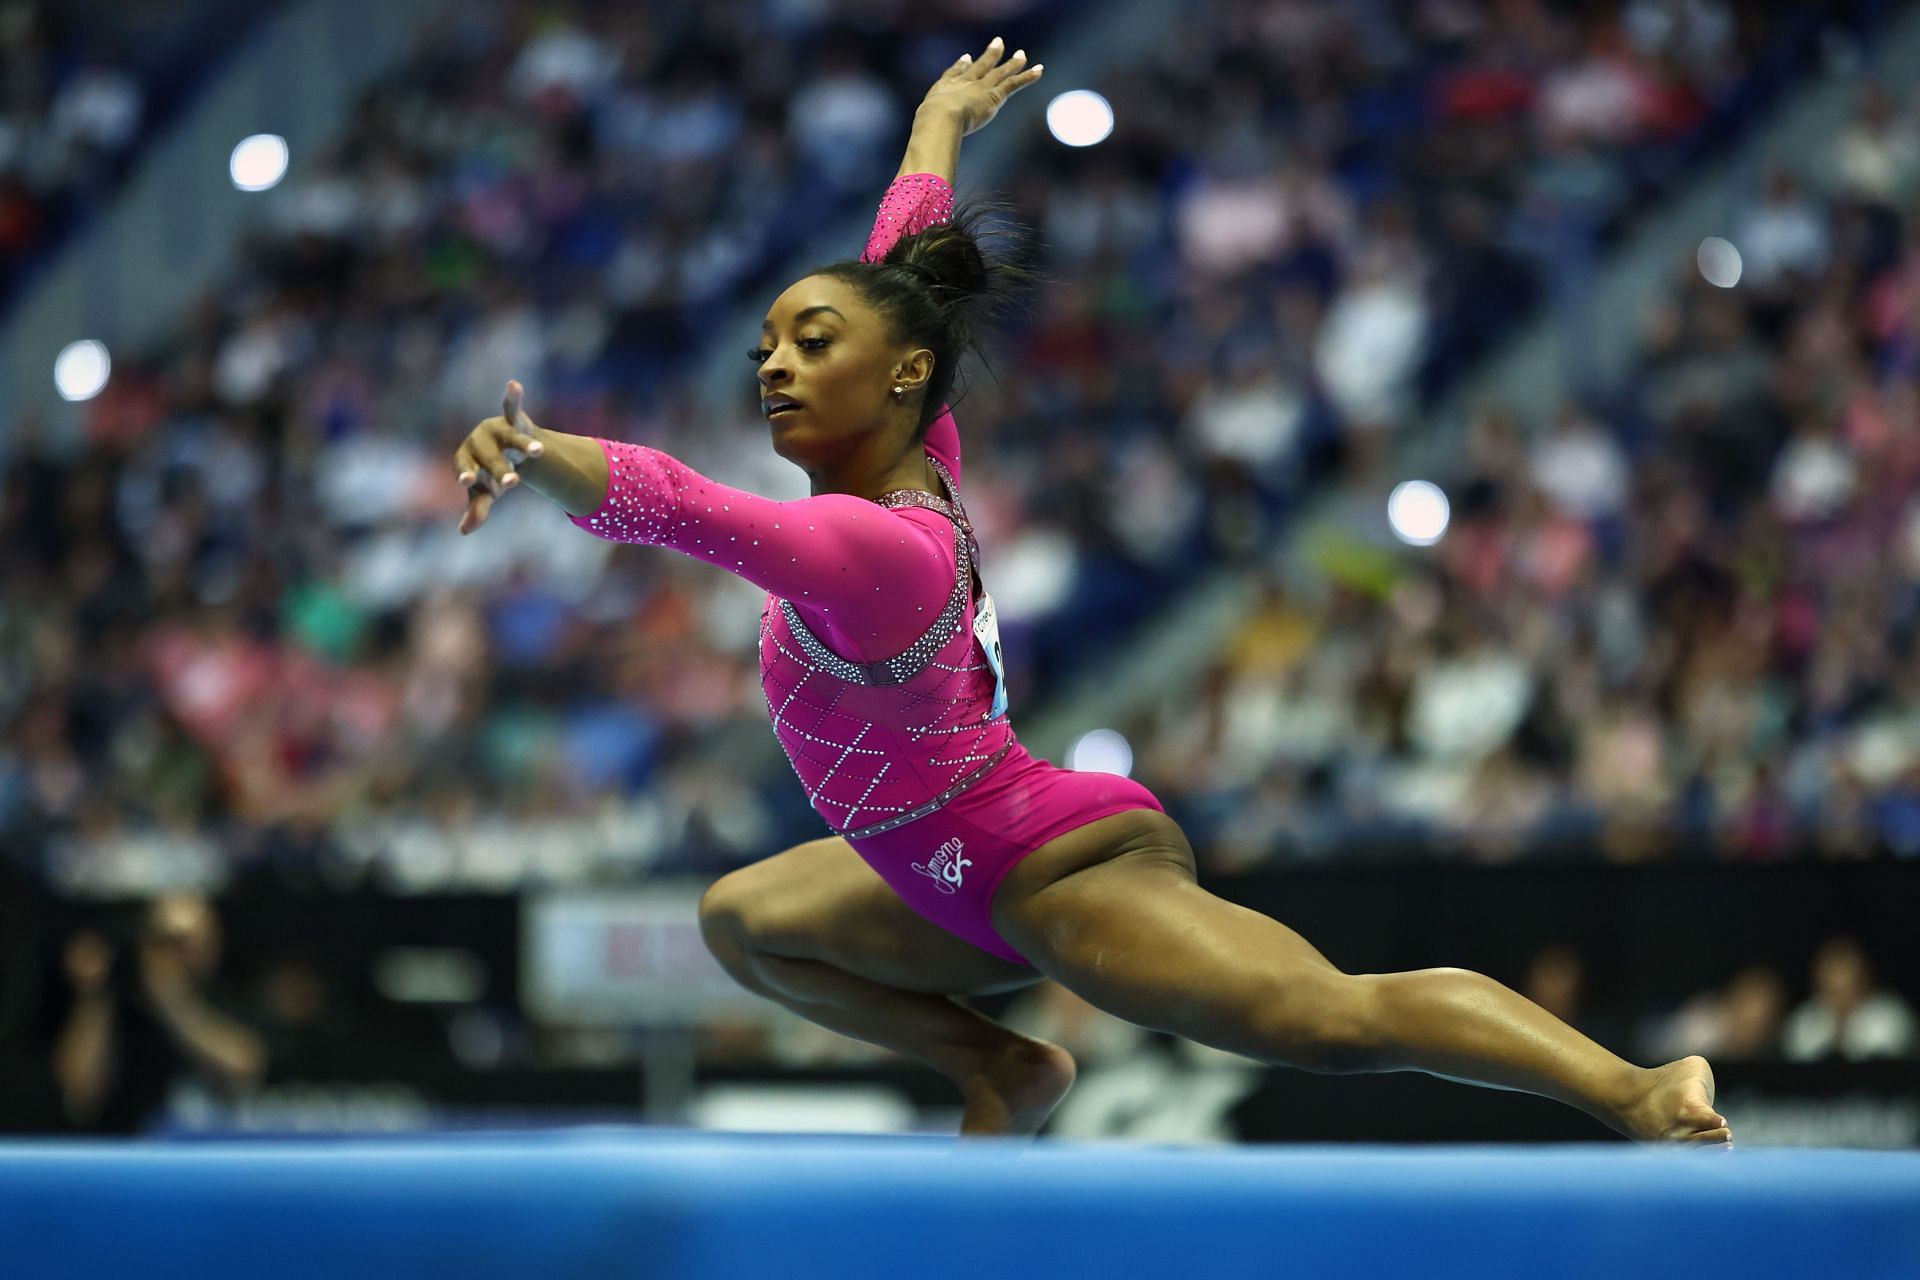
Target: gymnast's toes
<point x="1677" y="1106"/>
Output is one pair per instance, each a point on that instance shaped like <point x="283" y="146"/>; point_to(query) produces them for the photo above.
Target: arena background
<point x="1621" y="706"/>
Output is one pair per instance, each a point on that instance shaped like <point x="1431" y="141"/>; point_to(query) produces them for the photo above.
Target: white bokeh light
<point x="1080" y="118"/>
<point x="1719" y="262"/>
<point x="1418" y="512"/>
<point x="258" y="162"/>
<point x="1101" y="751"/>
<point x="81" y="369"/>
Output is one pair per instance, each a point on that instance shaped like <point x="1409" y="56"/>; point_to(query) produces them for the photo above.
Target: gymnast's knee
<point x="726" y="929"/>
<point x="1324" y="1022"/>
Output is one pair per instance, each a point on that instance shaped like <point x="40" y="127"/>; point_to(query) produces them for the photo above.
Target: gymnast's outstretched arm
<point x="835" y="553"/>
<point x="840" y="558"/>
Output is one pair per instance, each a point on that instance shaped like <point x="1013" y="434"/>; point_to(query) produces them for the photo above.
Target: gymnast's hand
<point x="482" y="460"/>
<point x="972" y="89"/>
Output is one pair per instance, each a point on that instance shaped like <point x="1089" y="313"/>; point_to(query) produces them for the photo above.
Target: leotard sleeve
<point x="868" y="579"/>
<point x="914" y="202"/>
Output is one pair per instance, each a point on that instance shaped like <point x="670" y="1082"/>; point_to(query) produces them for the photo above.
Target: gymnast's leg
<point x="815" y="929"/>
<point x="1112" y="911"/>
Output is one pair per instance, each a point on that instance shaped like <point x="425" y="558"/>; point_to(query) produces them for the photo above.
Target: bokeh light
<point x="81" y="369"/>
<point x="1080" y="118"/>
<point x="1101" y="751"/>
<point x="1418" y="512"/>
<point x="1719" y="262"/>
<point x="259" y="162"/>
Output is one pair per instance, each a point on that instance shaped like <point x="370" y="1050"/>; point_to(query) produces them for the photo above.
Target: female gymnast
<point x="961" y="865"/>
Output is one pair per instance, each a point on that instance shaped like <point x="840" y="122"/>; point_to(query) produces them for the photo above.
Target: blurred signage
<point x="625" y="958"/>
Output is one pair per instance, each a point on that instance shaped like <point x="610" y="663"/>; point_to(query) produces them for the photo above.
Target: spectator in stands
<point x="141" y="1019"/>
<point x="1848" y="1015"/>
<point x="1783" y="239"/>
<point x="1755" y="1010"/>
<point x="1741" y="1020"/>
<point x="1878" y="156"/>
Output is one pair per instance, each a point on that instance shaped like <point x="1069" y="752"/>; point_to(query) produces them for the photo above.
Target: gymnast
<point x="960" y="865"/>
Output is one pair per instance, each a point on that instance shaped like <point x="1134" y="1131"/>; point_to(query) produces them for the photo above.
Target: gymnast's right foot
<point x="1013" y="1093"/>
<point x="1676" y="1105"/>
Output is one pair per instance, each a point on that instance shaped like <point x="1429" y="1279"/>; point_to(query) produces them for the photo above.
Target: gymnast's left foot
<point x="1014" y="1092"/>
<point x="1676" y="1105"/>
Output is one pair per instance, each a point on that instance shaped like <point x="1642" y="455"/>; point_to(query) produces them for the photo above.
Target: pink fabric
<point x="868" y="582"/>
<point x="913" y="203"/>
<point x="947" y="865"/>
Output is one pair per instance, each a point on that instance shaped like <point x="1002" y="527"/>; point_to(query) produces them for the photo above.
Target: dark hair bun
<point x="947" y="256"/>
<point x="938" y="288"/>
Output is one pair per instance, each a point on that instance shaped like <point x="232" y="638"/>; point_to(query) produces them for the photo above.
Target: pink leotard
<point x="878" y="689"/>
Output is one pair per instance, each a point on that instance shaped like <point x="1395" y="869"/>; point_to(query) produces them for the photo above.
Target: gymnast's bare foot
<point x="1013" y="1093"/>
<point x="1675" y="1104"/>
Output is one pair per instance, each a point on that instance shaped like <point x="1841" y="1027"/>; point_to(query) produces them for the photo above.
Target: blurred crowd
<point x="135" y="1017"/>
<point x="1846" y="1014"/>
<point x="1681" y="616"/>
<point x="240" y="628"/>
<point x="82" y="85"/>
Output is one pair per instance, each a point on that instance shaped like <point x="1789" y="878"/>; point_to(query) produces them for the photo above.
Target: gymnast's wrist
<point x="570" y="472"/>
<point x="935" y="115"/>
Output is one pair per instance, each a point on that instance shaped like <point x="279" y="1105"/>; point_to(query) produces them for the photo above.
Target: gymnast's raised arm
<point x="965" y="97"/>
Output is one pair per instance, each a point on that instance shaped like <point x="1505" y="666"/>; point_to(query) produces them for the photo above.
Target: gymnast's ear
<point x="913" y="372"/>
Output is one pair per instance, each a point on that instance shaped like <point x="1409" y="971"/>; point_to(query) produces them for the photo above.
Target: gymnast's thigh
<point x="821" y="901"/>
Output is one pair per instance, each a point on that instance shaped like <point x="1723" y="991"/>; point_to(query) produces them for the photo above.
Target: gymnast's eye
<point x="757" y="354"/>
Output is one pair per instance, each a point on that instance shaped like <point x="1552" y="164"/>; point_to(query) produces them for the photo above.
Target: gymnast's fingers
<point x="1010" y="69"/>
<point x="1013" y="75"/>
<point x="479" y="503"/>
<point x="472" y="468"/>
<point x="518" y="424"/>
<point x="474" y="476"/>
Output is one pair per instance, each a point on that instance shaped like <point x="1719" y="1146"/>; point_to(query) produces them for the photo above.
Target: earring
<point x="899" y="391"/>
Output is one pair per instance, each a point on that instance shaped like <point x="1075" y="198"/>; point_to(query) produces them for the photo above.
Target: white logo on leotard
<point x="945" y="867"/>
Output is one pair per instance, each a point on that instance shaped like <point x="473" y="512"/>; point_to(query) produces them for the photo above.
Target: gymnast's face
<point x="824" y="348"/>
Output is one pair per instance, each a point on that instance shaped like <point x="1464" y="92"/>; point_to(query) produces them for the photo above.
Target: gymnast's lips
<point x="773" y="405"/>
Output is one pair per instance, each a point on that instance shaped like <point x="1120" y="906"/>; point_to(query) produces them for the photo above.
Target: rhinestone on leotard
<point x="905" y="666"/>
<point x="983" y="752"/>
<point x="939" y="801"/>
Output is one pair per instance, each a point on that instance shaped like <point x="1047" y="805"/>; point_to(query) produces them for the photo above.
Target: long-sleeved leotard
<point x="867" y="580"/>
<point x="876" y="677"/>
